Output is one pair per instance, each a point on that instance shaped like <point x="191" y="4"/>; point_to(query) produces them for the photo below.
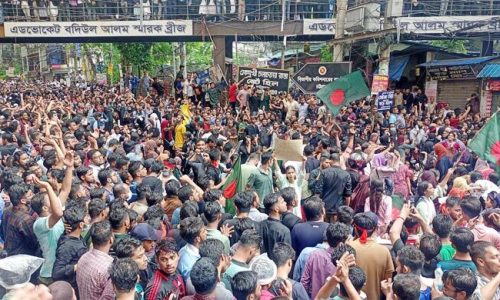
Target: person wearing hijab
<point x="429" y="176"/>
<point x="444" y="159"/>
<point x="492" y="200"/>
<point x="460" y="188"/>
<point x="483" y="167"/>
<point x="441" y="151"/>
<point x="149" y="149"/>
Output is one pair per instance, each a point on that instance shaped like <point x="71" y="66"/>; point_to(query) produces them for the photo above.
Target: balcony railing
<point x="424" y="8"/>
<point x="222" y="10"/>
<point x="215" y="10"/>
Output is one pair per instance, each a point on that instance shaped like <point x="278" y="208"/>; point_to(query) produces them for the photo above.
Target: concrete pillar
<point x="229" y="46"/>
<point x="487" y="48"/>
<point x="219" y="54"/>
<point x="338" y="49"/>
<point x="229" y="54"/>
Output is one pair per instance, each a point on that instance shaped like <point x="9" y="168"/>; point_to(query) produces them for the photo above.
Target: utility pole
<point x="174" y="59"/>
<point x="40" y="60"/>
<point x="338" y="49"/>
<point x="283" y="49"/>
<point x="236" y="61"/>
<point x="385" y="53"/>
<point x="110" y="67"/>
<point x="184" y="59"/>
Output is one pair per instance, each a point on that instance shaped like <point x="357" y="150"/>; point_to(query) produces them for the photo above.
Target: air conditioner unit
<point x="372" y="17"/>
<point x="363" y="18"/>
<point x="355" y="19"/>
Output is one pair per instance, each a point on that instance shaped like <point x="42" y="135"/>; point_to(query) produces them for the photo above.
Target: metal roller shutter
<point x="456" y="92"/>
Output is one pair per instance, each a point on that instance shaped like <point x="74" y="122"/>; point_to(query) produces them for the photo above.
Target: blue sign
<point x="203" y="76"/>
<point x="385" y="100"/>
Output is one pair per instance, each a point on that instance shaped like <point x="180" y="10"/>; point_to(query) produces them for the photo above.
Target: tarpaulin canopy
<point x="397" y="66"/>
<point x="490" y="71"/>
<point x="458" y="62"/>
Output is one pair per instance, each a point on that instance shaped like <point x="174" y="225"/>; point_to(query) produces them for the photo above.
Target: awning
<point x="397" y="66"/>
<point x="459" y="62"/>
<point x="490" y="71"/>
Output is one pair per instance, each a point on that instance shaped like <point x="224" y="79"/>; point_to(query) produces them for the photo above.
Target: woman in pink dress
<point x="402" y="179"/>
<point x="379" y="204"/>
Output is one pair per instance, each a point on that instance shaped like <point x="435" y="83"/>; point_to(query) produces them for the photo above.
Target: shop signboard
<point x="313" y="77"/>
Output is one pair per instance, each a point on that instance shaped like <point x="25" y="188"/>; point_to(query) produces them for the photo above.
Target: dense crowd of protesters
<point x="123" y="195"/>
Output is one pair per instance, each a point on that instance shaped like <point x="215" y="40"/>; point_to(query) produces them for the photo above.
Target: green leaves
<point x="136" y="54"/>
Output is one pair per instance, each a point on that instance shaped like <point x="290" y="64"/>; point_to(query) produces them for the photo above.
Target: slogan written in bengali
<point x="275" y="80"/>
<point x="385" y="100"/>
<point x="451" y="72"/>
<point x="99" y="29"/>
<point x="319" y="26"/>
<point x="449" y="24"/>
<point x="313" y="77"/>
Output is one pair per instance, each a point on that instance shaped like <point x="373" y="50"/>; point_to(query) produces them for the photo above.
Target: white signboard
<point x="319" y="26"/>
<point x="449" y="24"/>
<point x="99" y="29"/>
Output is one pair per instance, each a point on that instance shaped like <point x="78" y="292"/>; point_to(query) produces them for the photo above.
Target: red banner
<point x="494" y="85"/>
<point x="380" y="83"/>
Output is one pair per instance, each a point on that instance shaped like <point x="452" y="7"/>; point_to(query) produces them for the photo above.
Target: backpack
<point x="360" y="194"/>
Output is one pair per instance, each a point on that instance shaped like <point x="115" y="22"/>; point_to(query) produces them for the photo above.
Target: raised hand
<point x="227" y="230"/>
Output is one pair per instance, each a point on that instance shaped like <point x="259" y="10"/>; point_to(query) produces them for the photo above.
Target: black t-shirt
<point x="273" y="231"/>
<point x="290" y="220"/>
<point x="254" y="102"/>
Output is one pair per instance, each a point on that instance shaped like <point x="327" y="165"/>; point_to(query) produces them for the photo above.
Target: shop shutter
<point x="456" y="92"/>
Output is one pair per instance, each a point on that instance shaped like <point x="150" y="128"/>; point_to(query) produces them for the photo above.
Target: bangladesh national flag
<point x="343" y="90"/>
<point x="486" y="143"/>
<point x="232" y="186"/>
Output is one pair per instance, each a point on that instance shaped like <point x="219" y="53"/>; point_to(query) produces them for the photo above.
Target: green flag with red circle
<point x="486" y="142"/>
<point x="344" y="90"/>
<point x="232" y="186"/>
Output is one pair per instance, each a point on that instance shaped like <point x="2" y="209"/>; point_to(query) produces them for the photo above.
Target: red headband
<point x="364" y="234"/>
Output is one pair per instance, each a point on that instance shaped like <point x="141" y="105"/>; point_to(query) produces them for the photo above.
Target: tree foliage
<point x="136" y="54"/>
<point x="139" y="57"/>
<point x="199" y="55"/>
<point x="457" y="46"/>
<point x="161" y="54"/>
<point x="326" y="53"/>
<point x="100" y="55"/>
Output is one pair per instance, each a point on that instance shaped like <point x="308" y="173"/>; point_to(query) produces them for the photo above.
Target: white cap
<point x="265" y="268"/>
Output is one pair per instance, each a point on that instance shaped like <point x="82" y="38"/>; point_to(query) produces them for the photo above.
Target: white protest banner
<point x="289" y="150"/>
